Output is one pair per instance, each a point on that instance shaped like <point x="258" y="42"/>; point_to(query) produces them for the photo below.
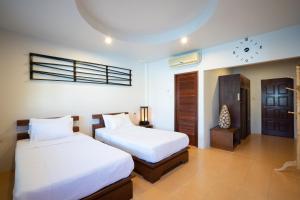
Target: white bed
<point x="151" y="145"/>
<point x="68" y="168"/>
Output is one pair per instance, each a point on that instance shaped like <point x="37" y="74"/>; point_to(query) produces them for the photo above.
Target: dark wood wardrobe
<point x="234" y="91"/>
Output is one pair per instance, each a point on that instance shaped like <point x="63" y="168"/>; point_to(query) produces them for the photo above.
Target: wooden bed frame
<point x="150" y="171"/>
<point x="121" y="189"/>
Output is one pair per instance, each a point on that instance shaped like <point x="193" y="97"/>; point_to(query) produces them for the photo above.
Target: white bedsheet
<point x="68" y="168"/>
<point x="147" y="144"/>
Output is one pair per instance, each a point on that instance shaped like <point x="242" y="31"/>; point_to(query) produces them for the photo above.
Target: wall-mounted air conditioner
<point x="185" y="59"/>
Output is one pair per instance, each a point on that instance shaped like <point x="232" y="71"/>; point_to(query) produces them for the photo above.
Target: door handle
<point x="290" y="112"/>
<point x="238" y="97"/>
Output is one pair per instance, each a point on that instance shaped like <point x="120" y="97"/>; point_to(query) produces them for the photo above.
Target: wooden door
<point x="276" y="102"/>
<point x="186" y="105"/>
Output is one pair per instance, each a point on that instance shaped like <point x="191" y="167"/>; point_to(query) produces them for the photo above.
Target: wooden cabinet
<point x="224" y="138"/>
<point x="234" y="91"/>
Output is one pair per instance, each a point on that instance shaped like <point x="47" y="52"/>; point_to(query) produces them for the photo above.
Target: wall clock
<point x="247" y="50"/>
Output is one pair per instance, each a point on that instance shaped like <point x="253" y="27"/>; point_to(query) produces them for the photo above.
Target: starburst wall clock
<point x="247" y="49"/>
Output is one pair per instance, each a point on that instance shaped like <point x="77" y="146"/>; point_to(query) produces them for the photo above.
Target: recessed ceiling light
<point x="108" y="40"/>
<point x="184" y="40"/>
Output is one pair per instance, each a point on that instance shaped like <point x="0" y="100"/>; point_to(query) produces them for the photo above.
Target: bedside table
<point x="147" y="126"/>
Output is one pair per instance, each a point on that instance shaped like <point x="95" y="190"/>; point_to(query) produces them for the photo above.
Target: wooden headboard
<point x="25" y="123"/>
<point x="101" y="123"/>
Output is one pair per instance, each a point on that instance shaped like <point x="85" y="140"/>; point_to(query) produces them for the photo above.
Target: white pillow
<point x="107" y="121"/>
<point x="113" y="121"/>
<point x="116" y="121"/>
<point x="126" y="120"/>
<point x="48" y="129"/>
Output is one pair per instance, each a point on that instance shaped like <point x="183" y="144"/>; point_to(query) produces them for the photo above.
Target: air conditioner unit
<point x="185" y="59"/>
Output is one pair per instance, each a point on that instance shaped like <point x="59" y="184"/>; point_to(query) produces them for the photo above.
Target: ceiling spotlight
<point x="108" y="40"/>
<point x="184" y="40"/>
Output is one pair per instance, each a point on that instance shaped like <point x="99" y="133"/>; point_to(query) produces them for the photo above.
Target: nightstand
<point x="147" y="126"/>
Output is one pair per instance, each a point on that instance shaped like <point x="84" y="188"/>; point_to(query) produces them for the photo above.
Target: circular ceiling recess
<point x="145" y="21"/>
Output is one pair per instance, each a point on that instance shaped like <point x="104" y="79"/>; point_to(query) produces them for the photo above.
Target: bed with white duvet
<point x="151" y="145"/>
<point x="71" y="167"/>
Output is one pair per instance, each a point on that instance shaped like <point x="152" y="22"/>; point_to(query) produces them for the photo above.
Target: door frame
<point x="197" y="102"/>
<point x="293" y="99"/>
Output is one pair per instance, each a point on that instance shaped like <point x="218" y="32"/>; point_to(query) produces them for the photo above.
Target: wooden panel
<point x="283" y="101"/>
<point x="270" y="89"/>
<point x="186" y="105"/>
<point x="24" y="122"/>
<point x="270" y="101"/>
<point x="282" y="89"/>
<point x="75" y="128"/>
<point x="275" y="106"/>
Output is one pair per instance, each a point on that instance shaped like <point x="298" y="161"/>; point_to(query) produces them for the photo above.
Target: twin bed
<point x="154" y="151"/>
<point x="79" y="167"/>
<point x="73" y="167"/>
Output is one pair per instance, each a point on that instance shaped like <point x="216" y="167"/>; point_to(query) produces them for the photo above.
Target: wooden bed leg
<point x="152" y="178"/>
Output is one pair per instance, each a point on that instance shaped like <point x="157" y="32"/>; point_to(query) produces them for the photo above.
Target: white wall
<point x="280" y="44"/>
<point x="22" y="98"/>
<point x="258" y="72"/>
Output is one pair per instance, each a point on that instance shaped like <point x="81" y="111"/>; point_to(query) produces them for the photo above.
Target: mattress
<point x="69" y="168"/>
<point x="151" y="145"/>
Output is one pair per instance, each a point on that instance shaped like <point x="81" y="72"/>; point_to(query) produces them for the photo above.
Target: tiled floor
<point x="6" y="185"/>
<point x="246" y="173"/>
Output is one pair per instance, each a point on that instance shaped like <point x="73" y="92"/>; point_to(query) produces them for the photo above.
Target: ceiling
<point x="151" y="22"/>
<point x="145" y="30"/>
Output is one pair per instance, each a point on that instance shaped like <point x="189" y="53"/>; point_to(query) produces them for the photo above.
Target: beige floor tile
<point x="196" y="189"/>
<point x="257" y="181"/>
<point x="284" y="187"/>
<point x="153" y="194"/>
<point x="250" y="194"/>
<point x="140" y="185"/>
<point x="224" y="192"/>
<point x="6" y="185"/>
